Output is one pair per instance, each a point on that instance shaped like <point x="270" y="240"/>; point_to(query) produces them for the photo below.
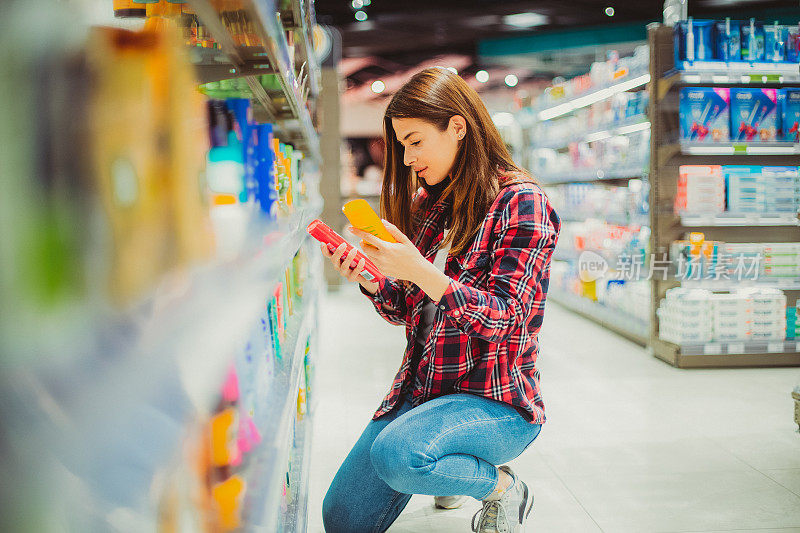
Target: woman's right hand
<point x="342" y="265"/>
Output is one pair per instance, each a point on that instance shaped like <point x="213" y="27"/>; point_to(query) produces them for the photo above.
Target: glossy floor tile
<point x="631" y="444"/>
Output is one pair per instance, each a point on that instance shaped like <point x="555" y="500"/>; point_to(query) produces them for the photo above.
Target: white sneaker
<point x="449" y="502"/>
<point x="508" y="514"/>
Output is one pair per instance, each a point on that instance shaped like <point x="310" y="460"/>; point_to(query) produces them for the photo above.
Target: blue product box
<point x="694" y="40"/>
<point x="789" y="104"/>
<point x="754" y="116"/>
<point x="775" y="37"/>
<point x="752" y="41"/>
<point x="728" y="39"/>
<point x="705" y="114"/>
<point x="744" y="192"/>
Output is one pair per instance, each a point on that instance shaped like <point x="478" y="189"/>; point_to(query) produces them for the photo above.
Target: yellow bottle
<point x="363" y="217"/>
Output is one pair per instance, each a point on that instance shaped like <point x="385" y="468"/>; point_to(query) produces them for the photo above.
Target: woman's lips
<point x="420" y="171"/>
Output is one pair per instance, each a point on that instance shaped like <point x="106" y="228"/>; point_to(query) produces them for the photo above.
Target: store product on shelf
<point x="730" y="41"/>
<point x="712" y="189"/>
<point x="697" y="258"/>
<point x="689" y="316"/>
<point x="701" y="189"/>
<point x="705" y="114"/>
<point x="609" y="155"/>
<point x="601" y="74"/>
<point x="753" y="114"/>
<point x="599" y="119"/>
<point x="789" y="114"/>
<point x="615" y="204"/>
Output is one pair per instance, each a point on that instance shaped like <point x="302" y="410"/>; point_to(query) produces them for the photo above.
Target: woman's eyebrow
<point x="409" y="135"/>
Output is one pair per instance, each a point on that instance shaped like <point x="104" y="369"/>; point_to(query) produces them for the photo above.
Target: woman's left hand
<point x="401" y="260"/>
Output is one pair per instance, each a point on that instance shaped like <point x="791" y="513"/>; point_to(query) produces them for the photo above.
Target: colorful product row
<point x="713" y="189"/>
<point x="710" y="115"/>
<point x="733" y="40"/>
<point x="236" y="429"/>
<point x="698" y="258"/>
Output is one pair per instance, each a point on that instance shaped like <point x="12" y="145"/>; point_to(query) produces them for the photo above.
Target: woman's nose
<point x="407" y="159"/>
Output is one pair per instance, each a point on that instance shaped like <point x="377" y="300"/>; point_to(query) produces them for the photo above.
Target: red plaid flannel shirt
<point x="484" y="335"/>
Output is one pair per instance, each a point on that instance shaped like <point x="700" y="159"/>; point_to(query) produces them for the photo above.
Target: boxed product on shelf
<point x="775" y="40"/>
<point x="743" y="189"/>
<point x="705" y="114"/>
<point x="789" y="111"/>
<point x="728" y="40"/>
<point x="753" y="114"/>
<point x="738" y="316"/>
<point x="684" y="316"/>
<point x="701" y="189"/>
<point x="725" y="41"/>
<point x="753" y="41"/>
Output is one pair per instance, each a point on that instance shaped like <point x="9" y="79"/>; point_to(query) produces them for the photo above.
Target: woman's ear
<point x="458" y="125"/>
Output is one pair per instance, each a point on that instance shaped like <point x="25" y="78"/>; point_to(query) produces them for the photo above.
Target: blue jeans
<point x="445" y="447"/>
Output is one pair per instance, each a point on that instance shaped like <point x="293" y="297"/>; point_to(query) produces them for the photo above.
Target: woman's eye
<point x="415" y="143"/>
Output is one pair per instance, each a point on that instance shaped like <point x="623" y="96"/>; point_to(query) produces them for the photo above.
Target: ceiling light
<point x="357" y="4"/>
<point x="525" y="20"/>
<point x="453" y="70"/>
<point x="366" y="2"/>
<point x="511" y="80"/>
<point x="610" y="11"/>
<point x="482" y="76"/>
<point x="361" y="16"/>
<point x="378" y="86"/>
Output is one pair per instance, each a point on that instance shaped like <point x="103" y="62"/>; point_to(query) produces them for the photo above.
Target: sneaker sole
<point x="457" y="505"/>
<point x="526" y="506"/>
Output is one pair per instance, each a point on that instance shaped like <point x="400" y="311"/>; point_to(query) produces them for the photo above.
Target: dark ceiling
<point x="401" y="34"/>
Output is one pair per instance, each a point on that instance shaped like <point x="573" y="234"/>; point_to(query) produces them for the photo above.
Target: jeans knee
<point x="399" y="461"/>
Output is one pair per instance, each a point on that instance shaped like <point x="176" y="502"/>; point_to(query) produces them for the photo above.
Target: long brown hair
<point x="435" y="95"/>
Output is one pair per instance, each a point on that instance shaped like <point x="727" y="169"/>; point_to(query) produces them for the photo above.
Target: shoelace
<point x="490" y="517"/>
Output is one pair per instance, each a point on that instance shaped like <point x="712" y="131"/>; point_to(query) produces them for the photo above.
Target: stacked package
<point x="754" y="189"/>
<point x="769" y="314"/>
<point x="732" y="317"/>
<point x="745" y="191"/>
<point x="781" y="260"/>
<point x="782" y="189"/>
<point x="701" y="189"/>
<point x="685" y="316"/>
<point x="696" y="316"/>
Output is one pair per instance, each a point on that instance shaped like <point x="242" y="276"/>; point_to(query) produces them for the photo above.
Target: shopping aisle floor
<point x="631" y="444"/>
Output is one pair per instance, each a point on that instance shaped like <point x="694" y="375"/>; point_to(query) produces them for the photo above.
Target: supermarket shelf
<point x="296" y="514"/>
<point x="736" y="73"/>
<point x="263" y="504"/>
<point x="276" y="53"/>
<point x="733" y="148"/>
<point x="591" y="174"/>
<point x="618" y="219"/>
<point x="728" y="355"/>
<point x="130" y="382"/>
<point x="304" y="20"/>
<point x="630" y="327"/>
<point x="598" y="95"/>
<point x="631" y="125"/>
<point x="740" y="219"/>
<point x="788" y="284"/>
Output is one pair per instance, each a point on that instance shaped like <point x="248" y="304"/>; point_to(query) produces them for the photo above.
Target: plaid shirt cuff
<point x="455" y="299"/>
<point x="383" y="296"/>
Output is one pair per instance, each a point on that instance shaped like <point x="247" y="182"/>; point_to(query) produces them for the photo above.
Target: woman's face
<point x="429" y="152"/>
